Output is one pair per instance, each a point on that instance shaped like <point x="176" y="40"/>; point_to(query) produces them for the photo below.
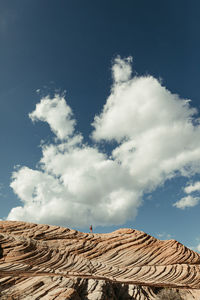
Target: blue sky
<point x="57" y="46"/>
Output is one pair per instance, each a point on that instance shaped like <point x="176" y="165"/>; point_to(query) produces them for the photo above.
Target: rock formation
<point x="51" y="262"/>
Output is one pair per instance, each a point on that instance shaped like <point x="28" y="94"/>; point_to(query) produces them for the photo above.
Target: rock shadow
<point x="1" y="252"/>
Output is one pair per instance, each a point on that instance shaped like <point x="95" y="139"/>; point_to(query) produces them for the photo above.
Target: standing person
<point x="90" y="228"/>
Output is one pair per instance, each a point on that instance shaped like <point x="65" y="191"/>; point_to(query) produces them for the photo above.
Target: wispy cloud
<point x="190" y="200"/>
<point x="76" y="184"/>
<point x="192" y="187"/>
<point x="196" y="245"/>
<point x="164" y="236"/>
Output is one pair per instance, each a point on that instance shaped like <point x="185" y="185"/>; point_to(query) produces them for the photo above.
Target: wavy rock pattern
<point x="51" y="262"/>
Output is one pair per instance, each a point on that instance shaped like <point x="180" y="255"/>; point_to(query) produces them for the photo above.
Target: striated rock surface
<point x="52" y="262"/>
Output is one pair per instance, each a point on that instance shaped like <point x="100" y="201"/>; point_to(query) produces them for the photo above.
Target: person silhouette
<point x="91" y="229"/>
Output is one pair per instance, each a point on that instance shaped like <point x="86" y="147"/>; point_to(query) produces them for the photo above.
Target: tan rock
<point x="52" y="262"/>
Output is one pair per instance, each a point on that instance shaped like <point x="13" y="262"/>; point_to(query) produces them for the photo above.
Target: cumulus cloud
<point x="76" y="184"/>
<point x="121" y="69"/>
<point x="157" y="138"/>
<point x="57" y="114"/>
<point x="154" y="128"/>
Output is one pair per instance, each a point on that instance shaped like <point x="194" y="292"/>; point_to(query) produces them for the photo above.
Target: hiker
<point x="90" y="228"/>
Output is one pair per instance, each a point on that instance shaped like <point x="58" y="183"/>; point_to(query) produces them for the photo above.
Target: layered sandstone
<point x="52" y="262"/>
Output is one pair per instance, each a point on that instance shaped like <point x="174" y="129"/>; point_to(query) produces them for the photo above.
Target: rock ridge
<point x="51" y="262"/>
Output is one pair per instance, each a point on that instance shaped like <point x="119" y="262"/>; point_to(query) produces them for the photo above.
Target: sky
<point x="99" y="115"/>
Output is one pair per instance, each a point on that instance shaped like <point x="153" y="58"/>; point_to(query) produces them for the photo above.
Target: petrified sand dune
<point x="51" y="262"/>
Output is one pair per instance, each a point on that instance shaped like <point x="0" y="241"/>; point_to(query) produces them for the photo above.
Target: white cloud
<point x="198" y="248"/>
<point x="57" y="114"/>
<point x="121" y="69"/>
<point x="188" y="201"/>
<point x="154" y="129"/>
<point x="76" y="184"/>
<point x="164" y="236"/>
<point x="191" y="200"/>
<point x="195" y="187"/>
